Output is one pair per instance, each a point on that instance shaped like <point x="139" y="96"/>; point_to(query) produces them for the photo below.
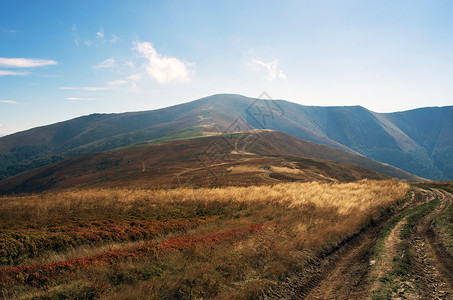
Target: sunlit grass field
<point x="230" y="242"/>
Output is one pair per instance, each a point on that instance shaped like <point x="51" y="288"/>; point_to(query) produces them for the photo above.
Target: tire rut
<point x="433" y="263"/>
<point x="349" y="278"/>
<point x="344" y="274"/>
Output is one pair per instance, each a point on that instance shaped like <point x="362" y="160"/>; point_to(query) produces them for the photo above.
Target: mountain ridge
<point x="417" y="141"/>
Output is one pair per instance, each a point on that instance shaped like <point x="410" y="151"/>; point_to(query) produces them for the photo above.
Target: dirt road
<point x="433" y="262"/>
<point x="352" y="272"/>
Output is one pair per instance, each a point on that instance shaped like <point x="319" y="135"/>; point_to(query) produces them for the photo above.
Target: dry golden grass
<point x="361" y="196"/>
<point x="304" y="220"/>
<point x="286" y="170"/>
<point x="246" y="169"/>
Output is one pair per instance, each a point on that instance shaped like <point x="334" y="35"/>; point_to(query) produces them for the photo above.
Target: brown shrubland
<point x="301" y="221"/>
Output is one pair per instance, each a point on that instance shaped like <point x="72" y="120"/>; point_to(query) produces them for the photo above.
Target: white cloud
<point x="100" y="33"/>
<point x="8" y="101"/>
<point x="108" y="63"/>
<point x="6" y="72"/>
<point x="25" y="62"/>
<point x="87" y="43"/>
<point x="161" y="68"/>
<point x="117" y="82"/>
<point x="271" y="68"/>
<point x="102" y="37"/>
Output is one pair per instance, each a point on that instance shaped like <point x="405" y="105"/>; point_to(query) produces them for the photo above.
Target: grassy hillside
<point x="240" y="159"/>
<point x="432" y="129"/>
<point x="40" y="146"/>
<point x="417" y="141"/>
<point x="232" y="242"/>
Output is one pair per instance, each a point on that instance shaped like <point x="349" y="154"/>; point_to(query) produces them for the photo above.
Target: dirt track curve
<point x="434" y="264"/>
<point x="347" y="273"/>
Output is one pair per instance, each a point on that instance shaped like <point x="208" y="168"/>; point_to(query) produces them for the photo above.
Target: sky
<point x="64" y="59"/>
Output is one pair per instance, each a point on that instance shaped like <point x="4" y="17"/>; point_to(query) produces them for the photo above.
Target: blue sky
<point x="63" y="59"/>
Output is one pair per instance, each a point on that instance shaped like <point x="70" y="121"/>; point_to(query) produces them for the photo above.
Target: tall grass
<point x="362" y="196"/>
<point x="302" y="221"/>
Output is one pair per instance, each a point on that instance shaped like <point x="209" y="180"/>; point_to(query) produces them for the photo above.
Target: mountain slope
<point x="403" y="139"/>
<point x="432" y="129"/>
<point x="418" y="141"/>
<point x="253" y="157"/>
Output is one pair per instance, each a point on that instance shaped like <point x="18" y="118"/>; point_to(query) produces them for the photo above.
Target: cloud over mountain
<point x="161" y="68"/>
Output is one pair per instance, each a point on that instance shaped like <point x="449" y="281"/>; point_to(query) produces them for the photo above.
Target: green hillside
<point x="417" y="141"/>
<point x="238" y="159"/>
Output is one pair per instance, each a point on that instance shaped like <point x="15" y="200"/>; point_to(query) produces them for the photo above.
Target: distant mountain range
<point x="417" y="141"/>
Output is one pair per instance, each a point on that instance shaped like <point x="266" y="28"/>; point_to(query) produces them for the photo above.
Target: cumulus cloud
<point x="162" y="68"/>
<point x="7" y="72"/>
<point x="25" y="62"/>
<point x="108" y="63"/>
<point x="271" y="68"/>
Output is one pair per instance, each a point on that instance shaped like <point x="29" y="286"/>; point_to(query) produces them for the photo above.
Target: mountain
<point x="253" y="157"/>
<point x="417" y="141"/>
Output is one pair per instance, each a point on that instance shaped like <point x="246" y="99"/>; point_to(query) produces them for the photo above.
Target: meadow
<point x="228" y="243"/>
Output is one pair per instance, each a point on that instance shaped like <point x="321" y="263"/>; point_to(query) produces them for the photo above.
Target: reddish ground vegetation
<point x="40" y="274"/>
<point x="20" y="242"/>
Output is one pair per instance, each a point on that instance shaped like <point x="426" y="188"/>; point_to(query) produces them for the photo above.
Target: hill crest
<point x="417" y="141"/>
